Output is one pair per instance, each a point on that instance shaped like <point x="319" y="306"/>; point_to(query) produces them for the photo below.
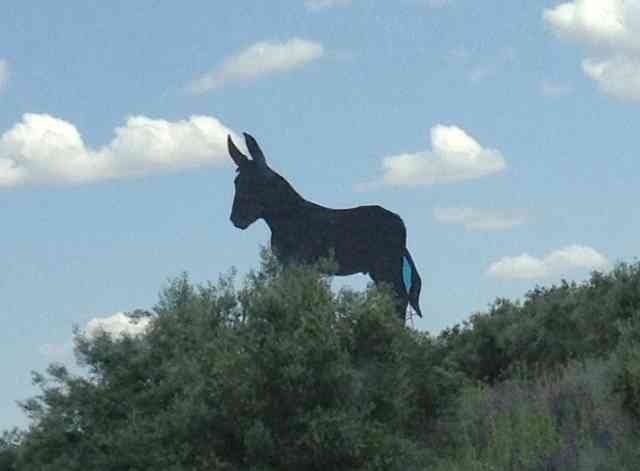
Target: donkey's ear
<point x="238" y="157"/>
<point x="255" y="151"/>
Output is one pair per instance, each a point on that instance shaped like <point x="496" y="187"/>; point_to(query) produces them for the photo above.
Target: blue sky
<point x="504" y="134"/>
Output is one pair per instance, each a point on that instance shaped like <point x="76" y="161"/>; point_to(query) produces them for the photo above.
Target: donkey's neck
<point x="287" y="210"/>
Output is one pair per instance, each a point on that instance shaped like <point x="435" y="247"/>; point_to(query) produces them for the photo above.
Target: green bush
<point x="565" y="421"/>
<point x="627" y="367"/>
<point x="552" y="327"/>
<point x="9" y="444"/>
<point x="282" y="374"/>
<point x="285" y="374"/>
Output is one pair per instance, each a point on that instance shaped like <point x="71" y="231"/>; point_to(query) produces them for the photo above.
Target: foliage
<point x="9" y="443"/>
<point x="282" y="374"/>
<point x="565" y="421"/>
<point x="285" y="374"/>
<point x="552" y="327"/>
<point x="627" y="364"/>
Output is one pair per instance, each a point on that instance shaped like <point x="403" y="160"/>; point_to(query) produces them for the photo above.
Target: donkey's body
<point x="309" y="231"/>
<point x="365" y="239"/>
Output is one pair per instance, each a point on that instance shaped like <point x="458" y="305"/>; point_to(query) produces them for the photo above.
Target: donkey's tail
<point x="412" y="281"/>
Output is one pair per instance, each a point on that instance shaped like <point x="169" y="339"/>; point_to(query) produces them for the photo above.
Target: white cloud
<point x="45" y="149"/>
<point x="558" y="262"/>
<point x="597" y="21"/>
<point x="117" y="325"/>
<point x="316" y="5"/>
<point x="611" y="29"/>
<point x="455" y="156"/>
<point x="618" y="76"/>
<point x="474" y="219"/>
<point x="260" y="59"/>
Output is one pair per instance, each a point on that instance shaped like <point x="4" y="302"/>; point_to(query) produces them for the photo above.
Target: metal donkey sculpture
<point x="365" y="239"/>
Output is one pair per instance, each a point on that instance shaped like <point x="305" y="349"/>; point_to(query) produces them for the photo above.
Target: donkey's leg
<point x="390" y="272"/>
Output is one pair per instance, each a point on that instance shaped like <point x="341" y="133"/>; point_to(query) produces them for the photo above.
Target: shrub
<point x="552" y="327"/>
<point x="627" y="366"/>
<point x="285" y="374"/>
<point x="565" y="421"/>
<point x="9" y="444"/>
<point x="282" y="374"/>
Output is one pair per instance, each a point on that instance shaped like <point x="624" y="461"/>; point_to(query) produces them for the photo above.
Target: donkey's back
<point x="363" y="237"/>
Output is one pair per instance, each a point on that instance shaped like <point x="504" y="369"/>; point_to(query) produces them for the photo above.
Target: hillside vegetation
<point x="285" y="374"/>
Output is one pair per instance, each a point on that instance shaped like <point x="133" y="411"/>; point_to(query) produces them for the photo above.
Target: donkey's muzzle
<point x="239" y="224"/>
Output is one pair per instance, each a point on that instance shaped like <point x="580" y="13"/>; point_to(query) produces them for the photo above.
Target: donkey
<point x="365" y="239"/>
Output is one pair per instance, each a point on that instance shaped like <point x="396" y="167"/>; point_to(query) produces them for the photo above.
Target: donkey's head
<point x="258" y="188"/>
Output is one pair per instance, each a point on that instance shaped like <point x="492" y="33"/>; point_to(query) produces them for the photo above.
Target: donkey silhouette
<point x="365" y="239"/>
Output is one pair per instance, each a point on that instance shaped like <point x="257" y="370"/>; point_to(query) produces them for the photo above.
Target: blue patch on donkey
<point x="406" y="273"/>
